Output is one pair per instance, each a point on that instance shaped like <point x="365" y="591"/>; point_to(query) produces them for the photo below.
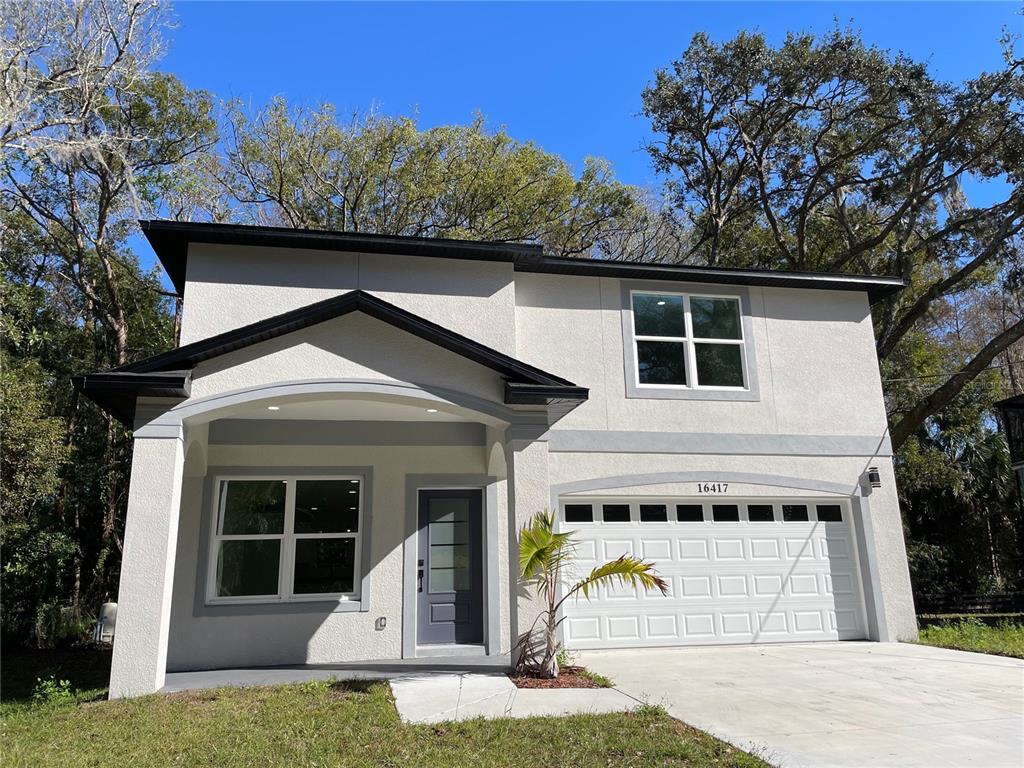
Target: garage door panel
<point x="663" y="627"/>
<point x="582" y="629"/>
<point x="728" y="549"/>
<point x="693" y="549"/>
<point x="728" y="582"/>
<point x="586" y="552"/>
<point x="617" y="547"/>
<point x="765" y="549"/>
<point x="772" y="622"/>
<point x="697" y="586"/>
<point x="656" y="549"/>
<point x="733" y="585"/>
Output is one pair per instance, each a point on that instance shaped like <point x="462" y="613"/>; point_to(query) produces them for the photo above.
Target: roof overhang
<point x="117" y="391"/>
<point x="171" y="239"/>
<point x="169" y="374"/>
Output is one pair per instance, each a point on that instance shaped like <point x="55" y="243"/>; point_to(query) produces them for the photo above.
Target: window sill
<point x="647" y="392"/>
<point x="272" y="607"/>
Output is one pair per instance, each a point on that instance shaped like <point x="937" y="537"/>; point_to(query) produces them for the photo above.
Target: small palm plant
<point x="543" y="555"/>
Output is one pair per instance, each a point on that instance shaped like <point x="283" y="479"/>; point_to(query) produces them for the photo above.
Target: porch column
<point x="147" y="564"/>
<point x="529" y="493"/>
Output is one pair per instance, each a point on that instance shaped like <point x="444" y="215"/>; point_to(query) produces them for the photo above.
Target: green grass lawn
<point x="1005" y="638"/>
<point x="323" y="724"/>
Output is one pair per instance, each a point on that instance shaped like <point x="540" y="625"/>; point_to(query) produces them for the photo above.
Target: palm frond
<point x="624" y="570"/>
<point x="541" y="550"/>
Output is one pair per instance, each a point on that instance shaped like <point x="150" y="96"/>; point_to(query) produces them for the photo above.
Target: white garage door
<point x="739" y="571"/>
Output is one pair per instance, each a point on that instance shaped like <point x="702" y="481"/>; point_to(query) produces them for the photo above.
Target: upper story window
<point x="688" y="341"/>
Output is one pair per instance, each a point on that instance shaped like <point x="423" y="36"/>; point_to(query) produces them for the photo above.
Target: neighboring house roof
<point x="170" y="240"/>
<point x="169" y="374"/>
<point x="1016" y="400"/>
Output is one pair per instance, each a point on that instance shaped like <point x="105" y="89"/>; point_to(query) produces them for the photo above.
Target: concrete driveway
<point x="837" y="704"/>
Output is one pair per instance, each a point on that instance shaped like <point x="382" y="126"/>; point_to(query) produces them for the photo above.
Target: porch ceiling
<point x="352" y="410"/>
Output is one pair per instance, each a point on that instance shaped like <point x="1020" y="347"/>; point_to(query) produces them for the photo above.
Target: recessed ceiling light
<point x="353" y="481"/>
<point x="661" y="303"/>
<point x="314" y="509"/>
<point x="273" y="408"/>
<point x="351" y="491"/>
<point x="431" y="410"/>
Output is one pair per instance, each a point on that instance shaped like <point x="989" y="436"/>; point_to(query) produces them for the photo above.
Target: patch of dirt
<point x="568" y="677"/>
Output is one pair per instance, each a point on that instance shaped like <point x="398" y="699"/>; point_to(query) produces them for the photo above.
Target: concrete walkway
<point x="837" y="705"/>
<point x="435" y="699"/>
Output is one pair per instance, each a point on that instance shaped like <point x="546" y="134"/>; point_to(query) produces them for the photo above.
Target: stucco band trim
<point x="625" y="441"/>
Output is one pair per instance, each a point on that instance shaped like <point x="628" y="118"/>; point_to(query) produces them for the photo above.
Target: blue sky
<point x="567" y="76"/>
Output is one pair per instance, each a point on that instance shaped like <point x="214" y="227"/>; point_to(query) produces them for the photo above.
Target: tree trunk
<point x="942" y="396"/>
<point x="549" y="667"/>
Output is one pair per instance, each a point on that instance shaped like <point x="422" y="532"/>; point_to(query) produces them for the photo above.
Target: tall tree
<point x="89" y="138"/>
<point x="386" y="175"/>
<point x="827" y="154"/>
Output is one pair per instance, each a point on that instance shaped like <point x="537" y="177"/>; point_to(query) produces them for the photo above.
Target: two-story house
<point x="334" y="464"/>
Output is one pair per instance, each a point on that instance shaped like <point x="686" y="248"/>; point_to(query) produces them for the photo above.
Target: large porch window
<point x="286" y="538"/>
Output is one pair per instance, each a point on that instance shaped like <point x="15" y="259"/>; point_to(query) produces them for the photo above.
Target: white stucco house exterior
<point x="334" y="464"/>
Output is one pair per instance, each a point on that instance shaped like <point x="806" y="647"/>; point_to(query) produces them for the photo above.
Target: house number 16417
<point x="712" y="487"/>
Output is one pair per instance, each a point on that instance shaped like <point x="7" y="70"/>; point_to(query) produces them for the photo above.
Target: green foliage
<point x="597" y="679"/>
<point x="52" y="692"/>
<point x="32" y="453"/>
<point x="930" y="570"/>
<point x="386" y="175"/>
<point x="971" y="634"/>
<point x="317" y="687"/>
<point x="61" y="625"/>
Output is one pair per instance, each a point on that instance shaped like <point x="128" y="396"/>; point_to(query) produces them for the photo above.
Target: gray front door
<point x="450" y="589"/>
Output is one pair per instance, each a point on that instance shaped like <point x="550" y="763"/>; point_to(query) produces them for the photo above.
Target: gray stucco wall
<point x="814" y="351"/>
<point x="228" y="287"/>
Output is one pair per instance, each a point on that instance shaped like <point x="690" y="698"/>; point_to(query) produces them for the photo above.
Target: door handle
<point x="419" y="580"/>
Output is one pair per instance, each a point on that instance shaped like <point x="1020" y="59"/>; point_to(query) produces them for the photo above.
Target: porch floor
<point x="358" y="670"/>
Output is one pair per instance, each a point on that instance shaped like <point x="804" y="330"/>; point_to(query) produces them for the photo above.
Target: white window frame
<point x="286" y="560"/>
<point x="689" y="343"/>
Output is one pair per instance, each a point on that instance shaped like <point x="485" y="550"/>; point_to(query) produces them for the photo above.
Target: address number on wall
<point x="712" y="487"/>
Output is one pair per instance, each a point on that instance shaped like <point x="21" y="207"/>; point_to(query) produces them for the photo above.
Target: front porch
<point x="420" y="667"/>
<point x="340" y="483"/>
<point x="252" y="591"/>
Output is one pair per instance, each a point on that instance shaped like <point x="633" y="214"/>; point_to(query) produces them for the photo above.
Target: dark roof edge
<point x="169" y="374"/>
<point x="116" y="391"/>
<point x="303" y="317"/>
<point x="170" y="241"/>
<point x="876" y="287"/>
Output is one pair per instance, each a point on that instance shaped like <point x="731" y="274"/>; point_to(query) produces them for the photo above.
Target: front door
<point x="450" y="567"/>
